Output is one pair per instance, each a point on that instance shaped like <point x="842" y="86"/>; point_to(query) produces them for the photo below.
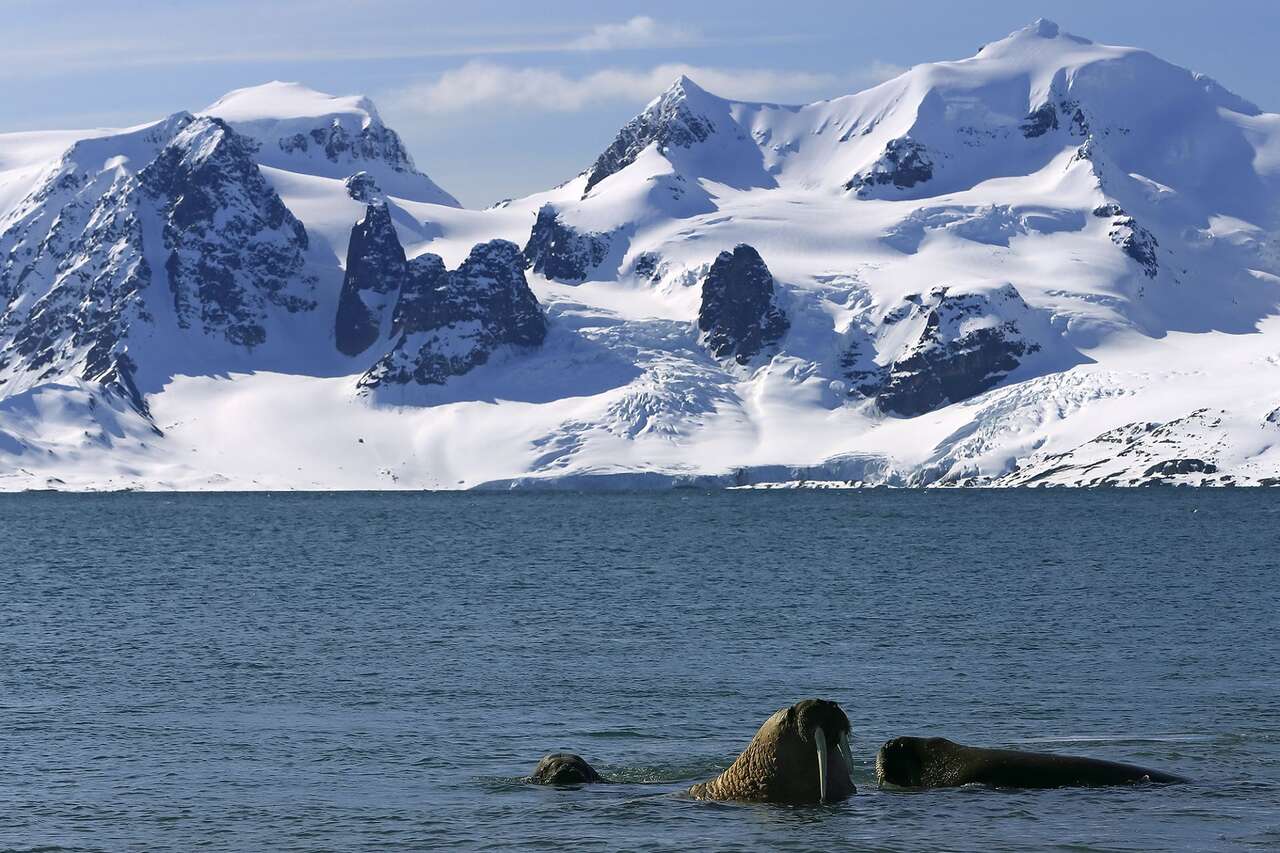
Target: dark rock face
<point x="1138" y="243"/>
<point x="1171" y="467"/>
<point x="443" y="323"/>
<point x="562" y="253"/>
<point x="563" y="768"/>
<point x="669" y="122"/>
<point x="952" y="358"/>
<point x="75" y="282"/>
<point x="647" y="265"/>
<point x="363" y="188"/>
<point x="233" y="246"/>
<point x="425" y="278"/>
<point x="376" y="272"/>
<point x="739" y="317"/>
<point x="1040" y="121"/>
<point x="1079" y="122"/>
<point x="904" y="164"/>
<point x="375" y="141"/>
<point x="453" y="321"/>
<point x="89" y="277"/>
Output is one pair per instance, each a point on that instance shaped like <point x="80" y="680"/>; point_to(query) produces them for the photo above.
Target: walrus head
<point x="800" y="755"/>
<point x="563" y="768"/>
<point x="903" y="761"/>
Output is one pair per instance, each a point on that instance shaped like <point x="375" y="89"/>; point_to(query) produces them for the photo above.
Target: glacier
<point x="1053" y="263"/>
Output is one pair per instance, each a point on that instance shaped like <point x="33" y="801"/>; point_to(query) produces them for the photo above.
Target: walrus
<point x="916" y="762"/>
<point x="564" y="768"/>
<point x="800" y="755"/>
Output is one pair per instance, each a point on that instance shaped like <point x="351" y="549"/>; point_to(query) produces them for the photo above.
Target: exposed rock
<point x="372" y="142"/>
<point x="1171" y="467"/>
<point x="903" y="164"/>
<point x="454" y="327"/>
<point x="1040" y="121"/>
<point x="739" y="316"/>
<point x="647" y="266"/>
<point x="420" y="294"/>
<point x="967" y="343"/>
<point x="363" y="188"/>
<point x="1137" y="242"/>
<point x="1103" y="211"/>
<point x="562" y="253"/>
<point x="667" y="121"/>
<point x="376" y="272"/>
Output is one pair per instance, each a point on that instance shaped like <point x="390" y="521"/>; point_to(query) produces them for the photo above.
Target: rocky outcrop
<point x="961" y="345"/>
<point x="375" y="141"/>
<point x="441" y="323"/>
<point x="667" y="122"/>
<point x="363" y="188"/>
<point x="903" y="164"/>
<point x="1040" y="121"/>
<point x="425" y="276"/>
<point x="452" y="322"/>
<point x="562" y="253"/>
<point x="739" y="316"/>
<point x="376" y="272"/>
<point x="1136" y="242"/>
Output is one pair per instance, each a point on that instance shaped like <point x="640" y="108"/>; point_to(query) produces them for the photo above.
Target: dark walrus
<point x="935" y="762"/>
<point x="564" y="768"/>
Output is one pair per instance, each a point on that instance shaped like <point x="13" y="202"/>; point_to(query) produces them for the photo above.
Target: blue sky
<point x="498" y="98"/>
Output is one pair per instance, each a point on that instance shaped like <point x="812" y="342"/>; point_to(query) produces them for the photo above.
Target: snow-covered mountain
<point x="1054" y="262"/>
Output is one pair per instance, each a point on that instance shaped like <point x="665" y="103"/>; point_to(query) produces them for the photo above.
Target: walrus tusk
<point x="843" y="746"/>
<point x="820" y="738"/>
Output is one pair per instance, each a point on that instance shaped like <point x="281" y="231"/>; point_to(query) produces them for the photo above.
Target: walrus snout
<point x="825" y="724"/>
<point x="563" y="768"/>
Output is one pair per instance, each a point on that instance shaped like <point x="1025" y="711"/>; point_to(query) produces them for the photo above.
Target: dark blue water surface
<point x="376" y="672"/>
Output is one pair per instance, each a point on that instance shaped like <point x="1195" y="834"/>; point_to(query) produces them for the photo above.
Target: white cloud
<point x="484" y="84"/>
<point x="639" y="32"/>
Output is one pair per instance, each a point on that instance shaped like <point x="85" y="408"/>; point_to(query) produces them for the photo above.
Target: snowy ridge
<point x="1056" y="262"/>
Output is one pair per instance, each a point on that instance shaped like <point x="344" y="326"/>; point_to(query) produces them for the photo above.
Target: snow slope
<point x="1054" y="262"/>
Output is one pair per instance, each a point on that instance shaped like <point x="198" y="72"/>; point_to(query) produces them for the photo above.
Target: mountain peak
<point x="685" y="91"/>
<point x="684" y="85"/>
<point x="1041" y="34"/>
<point x="1044" y="28"/>
<point x="298" y="128"/>
<point x="282" y="100"/>
<point x="677" y="117"/>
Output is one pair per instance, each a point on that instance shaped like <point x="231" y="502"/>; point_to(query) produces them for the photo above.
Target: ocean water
<point x="377" y="672"/>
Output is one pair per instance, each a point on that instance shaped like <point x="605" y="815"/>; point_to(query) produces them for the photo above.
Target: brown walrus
<point x="916" y="762"/>
<point x="800" y="755"/>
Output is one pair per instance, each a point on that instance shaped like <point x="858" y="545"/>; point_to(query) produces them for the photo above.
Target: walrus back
<point x="1007" y="768"/>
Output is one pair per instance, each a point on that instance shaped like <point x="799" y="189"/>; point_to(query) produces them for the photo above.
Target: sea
<point x="378" y="671"/>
